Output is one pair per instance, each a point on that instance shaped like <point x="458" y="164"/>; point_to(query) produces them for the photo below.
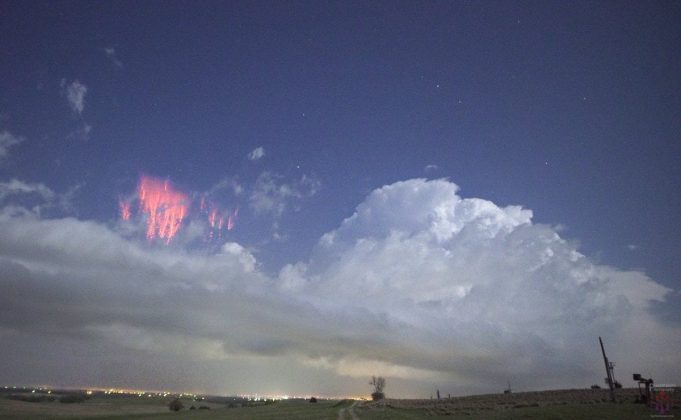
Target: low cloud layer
<point x="419" y="285"/>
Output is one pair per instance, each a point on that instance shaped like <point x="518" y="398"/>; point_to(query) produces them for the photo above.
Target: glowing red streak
<point x="218" y="219"/>
<point x="165" y="207"/>
<point x="232" y="219"/>
<point x="125" y="209"/>
<point x="212" y="217"/>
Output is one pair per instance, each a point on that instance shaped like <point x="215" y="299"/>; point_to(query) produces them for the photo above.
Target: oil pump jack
<point x="649" y="394"/>
<point x="609" y="370"/>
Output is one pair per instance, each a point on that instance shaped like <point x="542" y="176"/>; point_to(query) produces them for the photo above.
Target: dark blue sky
<point x="571" y="109"/>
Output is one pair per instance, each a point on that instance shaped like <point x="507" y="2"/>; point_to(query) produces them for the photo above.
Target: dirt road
<point x="353" y="416"/>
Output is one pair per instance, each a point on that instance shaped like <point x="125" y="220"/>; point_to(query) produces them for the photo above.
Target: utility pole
<point x="608" y="369"/>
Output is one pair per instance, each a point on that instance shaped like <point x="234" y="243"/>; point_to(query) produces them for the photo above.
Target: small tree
<point x="176" y="405"/>
<point x="378" y="383"/>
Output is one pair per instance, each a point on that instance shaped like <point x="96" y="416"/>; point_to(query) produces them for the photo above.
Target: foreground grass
<point x="282" y="410"/>
<point x="564" y="412"/>
<point x="157" y="408"/>
<point x="551" y="405"/>
<point x="558" y="405"/>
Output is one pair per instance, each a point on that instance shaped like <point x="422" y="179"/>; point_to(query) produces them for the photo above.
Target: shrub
<point x="378" y="383"/>
<point x="72" y="398"/>
<point x="313" y="400"/>
<point x="176" y="405"/>
<point x="31" y="398"/>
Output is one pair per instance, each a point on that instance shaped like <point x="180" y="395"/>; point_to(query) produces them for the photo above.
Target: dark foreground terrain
<point x="562" y="404"/>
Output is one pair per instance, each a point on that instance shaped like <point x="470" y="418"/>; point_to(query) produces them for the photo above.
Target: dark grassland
<point x="562" y="404"/>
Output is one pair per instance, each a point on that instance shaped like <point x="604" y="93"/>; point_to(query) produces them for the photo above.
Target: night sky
<point x="449" y="194"/>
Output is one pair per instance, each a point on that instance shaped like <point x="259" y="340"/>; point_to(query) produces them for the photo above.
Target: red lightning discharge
<point x="213" y="218"/>
<point x="231" y="220"/>
<point x="218" y="219"/>
<point x="124" y="207"/>
<point x="165" y="207"/>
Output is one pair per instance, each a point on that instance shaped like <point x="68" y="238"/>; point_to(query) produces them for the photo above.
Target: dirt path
<point x="351" y="411"/>
<point x="341" y="412"/>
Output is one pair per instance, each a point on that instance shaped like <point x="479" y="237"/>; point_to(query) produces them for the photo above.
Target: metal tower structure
<point x="609" y="370"/>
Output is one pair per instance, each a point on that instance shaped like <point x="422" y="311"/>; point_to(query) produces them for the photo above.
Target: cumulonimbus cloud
<point x="419" y="283"/>
<point x="496" y="295"/>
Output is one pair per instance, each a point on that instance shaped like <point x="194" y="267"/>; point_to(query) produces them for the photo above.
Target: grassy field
<point x="558" y="405"/>
<point x="564" y="412"/>
<point x="157" y="408"/>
